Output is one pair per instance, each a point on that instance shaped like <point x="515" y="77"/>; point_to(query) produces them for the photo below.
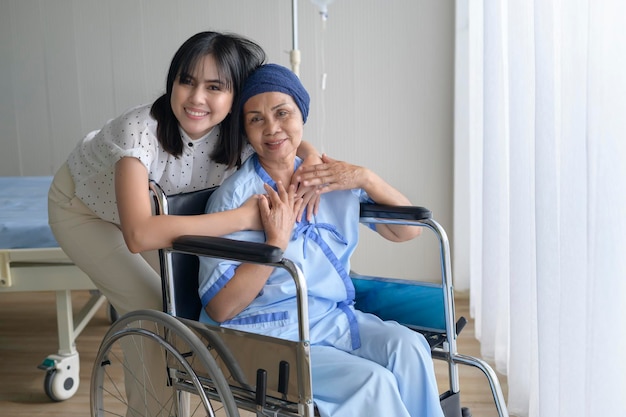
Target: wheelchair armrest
<point x="236" y="250"/>
<point x="381" y="211"/>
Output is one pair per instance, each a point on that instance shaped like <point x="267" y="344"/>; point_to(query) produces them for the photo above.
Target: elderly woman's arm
<point x="334" y="175"/>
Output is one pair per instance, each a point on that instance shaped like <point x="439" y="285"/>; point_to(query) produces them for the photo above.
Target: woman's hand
<point x="278" y="212"/>
<point x="310" y="196"/>
<point x="331" y="175"/>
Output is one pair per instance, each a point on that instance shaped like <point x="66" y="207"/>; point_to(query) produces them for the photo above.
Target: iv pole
<point x="294" y="56"/>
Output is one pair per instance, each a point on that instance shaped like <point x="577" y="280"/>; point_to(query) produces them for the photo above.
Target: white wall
<point x="69" y="65"/>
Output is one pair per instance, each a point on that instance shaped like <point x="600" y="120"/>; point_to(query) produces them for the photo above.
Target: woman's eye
<point x="185" y="80"/>
<point x="283" y="113"/>
<point x="214" y="87"/>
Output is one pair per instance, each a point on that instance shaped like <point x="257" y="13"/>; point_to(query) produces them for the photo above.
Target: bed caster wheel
<point x="62" y="376"/>
<point x="112" y="314"/>
<point x="465" y="412"/>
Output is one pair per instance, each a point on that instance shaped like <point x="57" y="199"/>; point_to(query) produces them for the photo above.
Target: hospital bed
<point x="207" y="370"/>
<point x="30" y="260"/>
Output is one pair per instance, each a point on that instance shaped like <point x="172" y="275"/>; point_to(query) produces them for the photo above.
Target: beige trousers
<point x="129" y="281"/>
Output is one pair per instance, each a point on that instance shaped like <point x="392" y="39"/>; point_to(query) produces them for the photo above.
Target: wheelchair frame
<point x="223" y="371"/>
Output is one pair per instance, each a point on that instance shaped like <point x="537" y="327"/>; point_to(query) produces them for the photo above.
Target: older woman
<point x="361" y="365"/>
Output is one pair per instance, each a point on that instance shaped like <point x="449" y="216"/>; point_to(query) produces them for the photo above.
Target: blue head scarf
<point x="272" y="77"/>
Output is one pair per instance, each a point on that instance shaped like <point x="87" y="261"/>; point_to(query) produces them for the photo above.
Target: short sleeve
<point x="364" y="198"/>
<point x="132" y="134"/>
<point x="92" y="162"/>
<point x="215" y="273"/>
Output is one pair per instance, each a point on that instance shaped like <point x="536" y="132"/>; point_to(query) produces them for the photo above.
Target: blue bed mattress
<point x="24" y="213"/>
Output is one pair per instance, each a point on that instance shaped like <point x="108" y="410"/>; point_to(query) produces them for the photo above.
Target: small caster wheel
<point x="465" y="412"/>
<point x="58" y="388"/>
<point x="62" y="376"/>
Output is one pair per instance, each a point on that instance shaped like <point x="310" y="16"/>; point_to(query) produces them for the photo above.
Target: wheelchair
<point x="197" y="369"/>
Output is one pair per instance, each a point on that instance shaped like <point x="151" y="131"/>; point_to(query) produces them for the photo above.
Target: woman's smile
<point x="196" y="114"/>
<point x="275" y="144"/>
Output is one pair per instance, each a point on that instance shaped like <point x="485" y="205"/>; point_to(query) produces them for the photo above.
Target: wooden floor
<point x="28" y="334"/>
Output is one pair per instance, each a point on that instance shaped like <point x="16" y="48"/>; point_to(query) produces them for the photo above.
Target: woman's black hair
<point x="236" y="57"/>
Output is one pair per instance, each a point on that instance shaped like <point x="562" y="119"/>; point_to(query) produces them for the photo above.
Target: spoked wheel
<point x="150" y="364"/>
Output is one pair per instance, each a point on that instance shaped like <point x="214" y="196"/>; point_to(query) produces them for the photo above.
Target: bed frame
<point x="23" y="215"/>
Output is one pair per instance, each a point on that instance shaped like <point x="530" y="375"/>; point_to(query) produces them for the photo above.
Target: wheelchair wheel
<point x="150" y="364"/>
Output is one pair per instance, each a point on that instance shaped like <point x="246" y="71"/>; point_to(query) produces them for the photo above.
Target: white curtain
<point x="541" y="173"/>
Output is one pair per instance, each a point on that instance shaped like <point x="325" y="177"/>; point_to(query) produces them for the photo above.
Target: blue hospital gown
<point x="395" y="378"/>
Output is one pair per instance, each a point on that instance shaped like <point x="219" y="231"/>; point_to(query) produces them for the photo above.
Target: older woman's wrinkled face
<point x="274" y="126"/>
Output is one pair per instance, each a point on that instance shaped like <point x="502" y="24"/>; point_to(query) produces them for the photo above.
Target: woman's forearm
<point x="239" y="292"/>
<point x="383" y="193"/>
